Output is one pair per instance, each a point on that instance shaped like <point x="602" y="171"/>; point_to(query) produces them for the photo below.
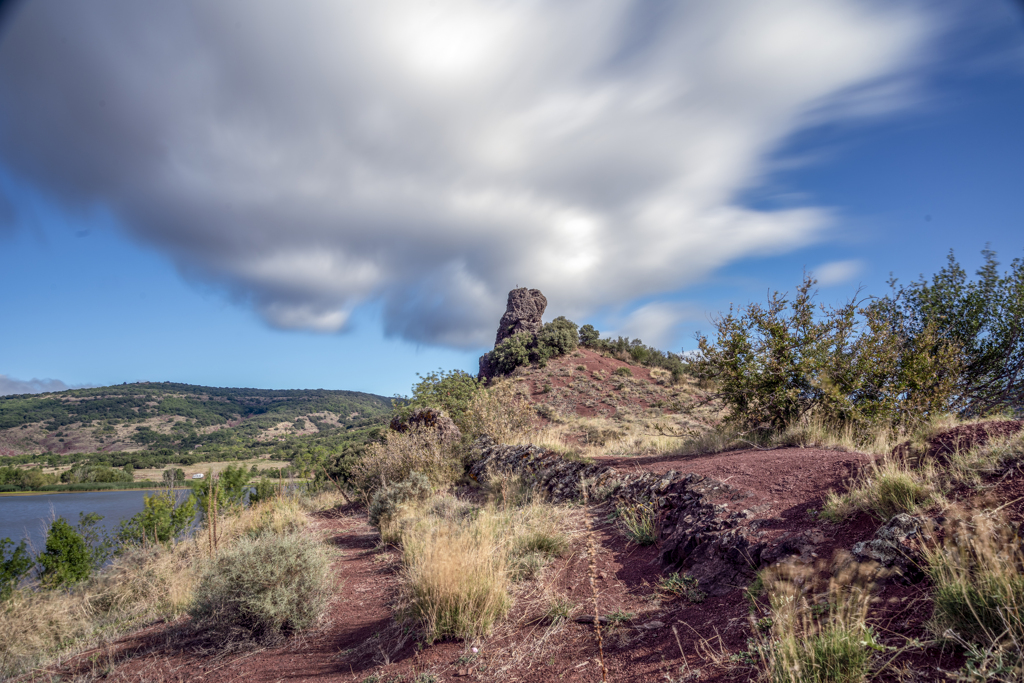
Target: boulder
<point x="896" y="545"/>
<point x="522" y="313"/>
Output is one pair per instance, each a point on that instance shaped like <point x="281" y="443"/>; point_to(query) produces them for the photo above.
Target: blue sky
<point x="341" y="196"/>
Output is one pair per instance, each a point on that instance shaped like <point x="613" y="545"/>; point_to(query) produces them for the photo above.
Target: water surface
<point x="29" y="517"/>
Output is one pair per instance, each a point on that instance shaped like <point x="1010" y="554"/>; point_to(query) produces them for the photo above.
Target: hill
<point x="169" y="422"/>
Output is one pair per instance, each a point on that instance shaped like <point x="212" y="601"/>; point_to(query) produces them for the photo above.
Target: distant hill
<point x="177" y="422"/>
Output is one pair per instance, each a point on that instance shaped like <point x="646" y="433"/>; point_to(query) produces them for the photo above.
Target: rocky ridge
<point x="722" y="549"/>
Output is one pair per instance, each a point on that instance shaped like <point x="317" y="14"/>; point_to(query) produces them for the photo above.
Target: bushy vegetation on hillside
<point x="944" y="346"/>
<point x="183" y="424"/>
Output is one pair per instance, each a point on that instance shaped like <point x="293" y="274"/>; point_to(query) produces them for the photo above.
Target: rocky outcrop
<point x="428" y="418"/>
<point x="523" y="313"/>
<point x="696" y="534"/>
<point x="897" y="546"/>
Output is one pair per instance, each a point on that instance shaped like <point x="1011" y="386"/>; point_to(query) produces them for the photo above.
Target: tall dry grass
<point x="142" y="584"/>
<point x="401" y="453"/>
<point x="819" y="634"/>
<point x="978" y="592"/>
<point x="461" y="562"/>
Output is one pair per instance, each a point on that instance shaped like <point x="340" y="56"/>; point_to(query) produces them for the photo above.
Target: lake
<point x="28" y="517"/>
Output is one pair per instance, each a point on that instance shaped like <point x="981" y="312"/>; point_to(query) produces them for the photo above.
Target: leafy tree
<point x="265" y="490"/>
<point x="589" y="335"/>
<point x="96" y="539"/>
<point x="982" y="317"/>
<point x="450" y="391"/>
<point x="775" y="364"/>
<point x="511" y="352"/>
<point x="161" y="520"/>
<point x="230" y="487"/>
<point x="66" y="560"/>
<point x="14" y="568"/>
<point x="556" y="338"/>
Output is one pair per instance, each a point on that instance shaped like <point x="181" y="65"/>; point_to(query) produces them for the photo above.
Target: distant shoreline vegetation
<point x="84" y="488"/>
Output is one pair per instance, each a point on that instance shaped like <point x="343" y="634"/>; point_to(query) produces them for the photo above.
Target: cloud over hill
<point x="310" y="157"/>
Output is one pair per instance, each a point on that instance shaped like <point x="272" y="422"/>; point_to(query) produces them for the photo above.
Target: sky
<point x="340" y="194"/>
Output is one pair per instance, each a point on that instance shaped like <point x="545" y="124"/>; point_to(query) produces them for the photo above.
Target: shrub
<point x="66" y="560"/>
<point x="386" y="501"/>
<point x="589" y="336"/>
<point x="511" y="353"/>
<point x="401" y="453"/>
<point x="981" y="317"/>
<point x="623" y="372"/>
<point x="845" y="364"/>
<point x="555" y="338"/>
<point x="161" y="520"/>
<point x="262" y="589"/>
<point x="14" y="568"/>
<point x="501" y="412"/>
<point x="451" y="391"/>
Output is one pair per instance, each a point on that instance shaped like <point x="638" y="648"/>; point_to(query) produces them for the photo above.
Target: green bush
<point x="14" y="568"/>
<point x="511" y="353"/>
<point x="262" y="589"/>
<point x="555" y="338"/>
<point x="845" y="365"/>
<point x="265" y="490"/>
<point x="451" y="391"/>
<point x="981" y="317"/>
<point x="589" y="335"/>
<point x="66" y="560"/>
<point x="161" y="520"/>
<point x="387" y="500"/>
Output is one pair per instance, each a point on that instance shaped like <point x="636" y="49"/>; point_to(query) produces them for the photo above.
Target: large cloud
<point x="312" y="157"/>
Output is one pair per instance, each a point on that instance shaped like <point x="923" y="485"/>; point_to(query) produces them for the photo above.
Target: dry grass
<point x="416" y="450"/>
<point x="141" y="585"/>
<point x="885" y="488"/>
<point x="978" y="592"/>
<point x="460" y="562"/>
<point x="502" y="412"/>
<point x="818" y="636"/>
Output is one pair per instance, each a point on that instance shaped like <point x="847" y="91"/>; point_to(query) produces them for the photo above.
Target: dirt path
<point x="652" y="634"/>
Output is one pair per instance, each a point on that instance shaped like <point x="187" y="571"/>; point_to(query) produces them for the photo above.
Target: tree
<point x="66" y="560"/>
<point x="776" y="364"/>
<point x="14" y="568"/>
<point x="161" y="520"/>
<point x="982" y="317"/>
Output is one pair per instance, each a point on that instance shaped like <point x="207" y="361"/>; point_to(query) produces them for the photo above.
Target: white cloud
<point x="10" y="385"/>
<point x="657" y="324"/>
<point x="314" y="157"/>
<point x="837" y="272"/>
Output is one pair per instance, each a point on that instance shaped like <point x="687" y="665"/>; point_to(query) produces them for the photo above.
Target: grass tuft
<point x="638" y="521"/>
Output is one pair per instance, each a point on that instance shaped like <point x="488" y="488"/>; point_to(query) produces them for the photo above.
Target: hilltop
<point x="177" y="422"/>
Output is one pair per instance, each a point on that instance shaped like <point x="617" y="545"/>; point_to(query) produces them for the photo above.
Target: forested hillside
<point x="150" y="422"/>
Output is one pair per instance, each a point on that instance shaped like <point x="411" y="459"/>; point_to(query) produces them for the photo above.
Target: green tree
<point x="96" y="539"/>
<point x="13" y="568"/>
<point x="66" y="560"/>
<point x="556" y="338"/>
<point x="161" y="520"/>
<point x="589" y="336"/>
<point x="982" y="317"/>
<point x="776" y="364"/>
<point x="450" y="391"/>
